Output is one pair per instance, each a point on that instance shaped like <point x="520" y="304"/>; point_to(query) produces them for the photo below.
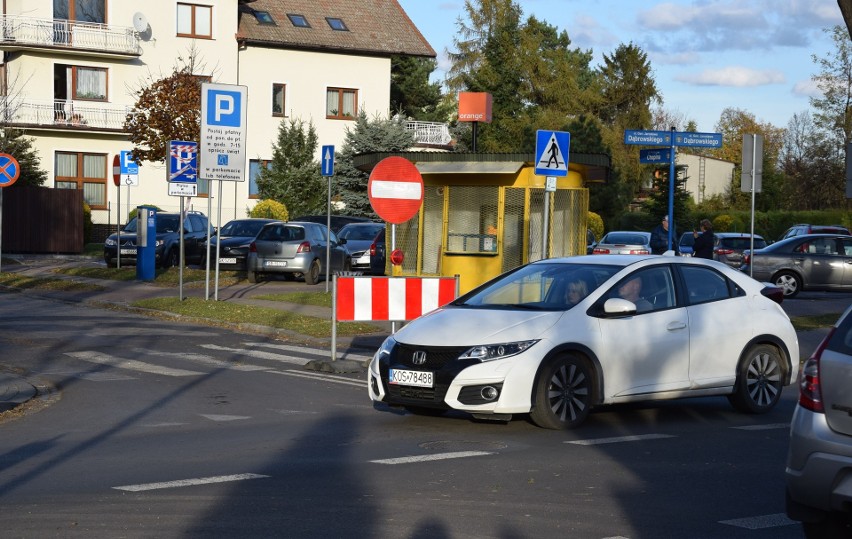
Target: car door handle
<point x="674" y="326"/>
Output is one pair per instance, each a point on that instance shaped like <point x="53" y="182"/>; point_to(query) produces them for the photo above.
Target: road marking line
<point x="201" y="358"/>
<point x="437" y="456"/>
<point x="323" y="378"/>
<point x="768" y="426"/>
<point x="315" y="351"/>
<point x="131" y="364"/>
<point x="214" y="417"/>
<point x="91" y="376"/>
<point x="758" y="523"/>
<point x="190" y="482"/>
<point x="618" y="439"/>
<point x="259" y="354"/>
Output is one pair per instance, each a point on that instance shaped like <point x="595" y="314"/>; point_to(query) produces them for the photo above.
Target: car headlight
<point x="109" y="242"/>
<point x="385" y="349"/>
<point x="490" y="352"/>
<point x="160" y="243"/>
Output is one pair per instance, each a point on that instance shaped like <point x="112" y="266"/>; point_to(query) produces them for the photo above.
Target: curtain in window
<point x="94" y="166"/>
<point x="332" y="102"/>
<point x="348" y="103"/>
<point x="66" y="165"/>
<point x="91" y="83"/>
<point x="66" y="185"/>
<point x="184" y="19"/>
<point x="94" y="194"/>
<point x="202" y="21"/>
<point x="278" y="99"/>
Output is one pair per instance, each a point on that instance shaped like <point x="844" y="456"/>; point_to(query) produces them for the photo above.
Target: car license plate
<point x="277" y="263"/>
<point x="410" y="378"/>
<point x="227" y="260"/>
<point x="128" y="251"/>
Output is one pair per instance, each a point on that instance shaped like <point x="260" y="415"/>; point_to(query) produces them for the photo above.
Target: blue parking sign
<point x="224" y="107"/>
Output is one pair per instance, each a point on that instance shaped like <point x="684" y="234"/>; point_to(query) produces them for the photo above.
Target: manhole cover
<point x="462" y="445"/>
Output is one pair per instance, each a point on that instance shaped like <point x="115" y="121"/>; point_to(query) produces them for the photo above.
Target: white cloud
<point x="734" y="76"/>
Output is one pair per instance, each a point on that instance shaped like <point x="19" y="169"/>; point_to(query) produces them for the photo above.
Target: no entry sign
<point x="395" y="190"/>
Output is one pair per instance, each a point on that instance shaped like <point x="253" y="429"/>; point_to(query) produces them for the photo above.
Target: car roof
<point x="736" y="235"/>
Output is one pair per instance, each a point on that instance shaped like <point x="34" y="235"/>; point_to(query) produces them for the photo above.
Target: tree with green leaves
<point x="412" y="93"/>
<point x="15" y="143"/>
<point x="293" y="176"/>
<point x="377" y="135"/>
<point x="833" y="112"/>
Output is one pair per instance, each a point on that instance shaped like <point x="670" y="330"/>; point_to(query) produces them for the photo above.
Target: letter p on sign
<point x="226" y="108"/>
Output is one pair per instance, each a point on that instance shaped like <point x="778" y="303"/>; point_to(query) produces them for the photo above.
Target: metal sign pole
<point x="327" y="237"/>
<point x="218" y="227"/>
<point x="671" y="190"/>
<point x="207" y="254"/>
<point x="1" y="229"/>
<point x="118" y="228"/>
<point x="753" y="171"/>
<point x="180" y="269"/>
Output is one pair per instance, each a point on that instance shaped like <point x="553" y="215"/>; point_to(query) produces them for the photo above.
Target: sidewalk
<point x="15" y="389"/>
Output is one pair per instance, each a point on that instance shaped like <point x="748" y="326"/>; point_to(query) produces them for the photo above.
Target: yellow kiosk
<point x="484" y="214"/>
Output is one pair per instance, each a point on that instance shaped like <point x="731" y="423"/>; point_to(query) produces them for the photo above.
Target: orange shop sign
<point x="475" y="107"/>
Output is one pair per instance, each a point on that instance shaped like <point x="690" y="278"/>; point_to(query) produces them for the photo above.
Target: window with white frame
<point x="341" y="103"/>
<point x="86" y="171"/>
<point x="194" y="20"/>
<point x="254" y="171"/>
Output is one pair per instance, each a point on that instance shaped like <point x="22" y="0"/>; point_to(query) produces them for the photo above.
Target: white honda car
<point x="558" y="337"/>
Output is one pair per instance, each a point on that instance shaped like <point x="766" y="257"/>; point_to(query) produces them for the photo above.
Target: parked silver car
<point x="810" y="262"/>
<point x="621" y="242"/>
<point x="728" y="247"/>
<point x="295" y="249"/>
<point x="359" y="237"/>
<point x="819" y="462"/>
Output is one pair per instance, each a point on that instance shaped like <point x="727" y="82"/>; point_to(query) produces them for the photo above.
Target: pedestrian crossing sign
<point x="551" y="153"/>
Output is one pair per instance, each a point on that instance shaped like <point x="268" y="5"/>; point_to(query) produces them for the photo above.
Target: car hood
<point x="232" y="241"/>
<point x="460" y="326"/>
<point x="358" y="245"/>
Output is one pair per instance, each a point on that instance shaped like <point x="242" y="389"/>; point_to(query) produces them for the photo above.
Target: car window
<point x="656" y="292"/>
<point x="167" y="223"/>
<point x="847" y="246"/>
<point x="741" y="244"/>
<point x="819" y="246"/>
<point x="199" y="224"/>
<point x="627" y="239"/>
<point x="841" y="339"/>
<point x="704" y="284"/>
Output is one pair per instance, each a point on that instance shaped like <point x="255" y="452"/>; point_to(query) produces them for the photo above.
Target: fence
<point x="42" y="220"/>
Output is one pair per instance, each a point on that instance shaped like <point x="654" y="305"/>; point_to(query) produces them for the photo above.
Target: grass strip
<point x="319" y="299"/>
<point x="193" y="278"/>
<point x="242" y="314"/>
<point x="817" y="321"/>
<point x="23" y="282"/>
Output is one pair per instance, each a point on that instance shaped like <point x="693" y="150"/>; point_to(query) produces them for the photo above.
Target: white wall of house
<point x="307" y="75"/>
<point x="706" y="176"/>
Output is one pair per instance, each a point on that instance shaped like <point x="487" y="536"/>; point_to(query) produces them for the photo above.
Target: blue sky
<point x="706" y="55"/>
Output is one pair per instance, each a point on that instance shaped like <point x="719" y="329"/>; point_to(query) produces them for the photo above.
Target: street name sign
<point x="662" y="156"/>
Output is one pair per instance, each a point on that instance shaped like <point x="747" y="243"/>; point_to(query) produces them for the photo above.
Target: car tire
<point x="760" y="379"/>
<point x="172" y="259"/>
<point x="313" y="274"/>
<point x="834" y="526"/>
<point x="789" y="282"/>
<point x="563" y="393"/>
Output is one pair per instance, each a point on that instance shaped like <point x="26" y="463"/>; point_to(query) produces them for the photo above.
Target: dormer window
<point x="298" y="20"/>
<point x="337" y="24"/>
<point x="263" y="17"/>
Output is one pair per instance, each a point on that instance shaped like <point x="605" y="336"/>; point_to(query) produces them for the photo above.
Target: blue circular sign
<point x="10" y="170"/>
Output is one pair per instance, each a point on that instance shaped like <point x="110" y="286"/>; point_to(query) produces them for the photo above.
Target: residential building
<point x="706" y="176"/>
<point x="71" y="70"/>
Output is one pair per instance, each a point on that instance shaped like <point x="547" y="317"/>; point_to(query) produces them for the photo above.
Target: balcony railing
<point x="431" y="133"/>
<point x="74" y="35"/>
<point x="63" y="113"/>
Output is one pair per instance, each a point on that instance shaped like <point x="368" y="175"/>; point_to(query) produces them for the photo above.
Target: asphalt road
<point x="163" y="429"/>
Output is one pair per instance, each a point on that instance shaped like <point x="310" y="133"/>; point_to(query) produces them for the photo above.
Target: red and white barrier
<point x="391" y="298"/>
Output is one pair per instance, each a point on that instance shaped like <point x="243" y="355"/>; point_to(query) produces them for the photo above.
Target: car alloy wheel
<point x="313" y="274"/>
<point x="759" y="380"/>
<point x="789" y="282"/>
<point x="563" y="395"/>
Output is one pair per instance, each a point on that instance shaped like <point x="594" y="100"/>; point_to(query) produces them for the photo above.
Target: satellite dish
<point x="140" y="22"/>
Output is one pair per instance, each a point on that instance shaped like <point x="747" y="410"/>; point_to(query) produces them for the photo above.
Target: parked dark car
<point x="728" y="247"/>
<point x="621" y="242"/>
<point x="802" y="229"/>
<point x="811" y="262"/>
<point x="820" y="455"/>
<point x="167" y="251"/>
<point x="377" y="254"/>
<point x="337" y="221"/>
<point x="685" y="245"/>
<point x="359" y="237"/>
<point x="235" y="238"/>
<point x="295" y="249"/>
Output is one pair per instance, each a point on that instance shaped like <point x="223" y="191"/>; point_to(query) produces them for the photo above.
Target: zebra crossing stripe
<point x="131" y="364"/>
<point x="258" y="354"/>
<point x="202" y="359"/>
<point x="304" y="350"/>
<point x="619" y="439"/>
<point x="323" y="377"/>
<point x="190" y="482"/>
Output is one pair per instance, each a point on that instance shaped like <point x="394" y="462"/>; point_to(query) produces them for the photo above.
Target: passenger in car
<point x="575" y="292"/>
<point x="630" y="291"/>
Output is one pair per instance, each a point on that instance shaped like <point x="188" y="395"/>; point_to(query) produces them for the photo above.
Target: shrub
<point x="723" y="223"/>
<point x="270" y="209"/>
<point x="87" y="223"/>
<point x="133" y="212"/>
<point x="596" y="224"/>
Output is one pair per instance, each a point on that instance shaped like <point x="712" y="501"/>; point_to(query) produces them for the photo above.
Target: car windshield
<point x="625" y="239"/>
<point x="539" y="286"/>
<point x="130" y="227"/>
<point x="167" y="223"/>
<point x="366" y="233"/>
<point x="687" y="240"/>
<point x="242" y="228"/>
<point x="740" y="244"/>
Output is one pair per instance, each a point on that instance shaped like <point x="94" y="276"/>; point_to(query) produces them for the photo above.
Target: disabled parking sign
<point x="222" y="154"/>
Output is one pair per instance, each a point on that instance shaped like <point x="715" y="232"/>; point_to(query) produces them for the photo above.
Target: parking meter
<point x="146" y="242"/>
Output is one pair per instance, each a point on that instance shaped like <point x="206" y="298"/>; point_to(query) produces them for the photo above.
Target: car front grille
<point x="436" y="356"/>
